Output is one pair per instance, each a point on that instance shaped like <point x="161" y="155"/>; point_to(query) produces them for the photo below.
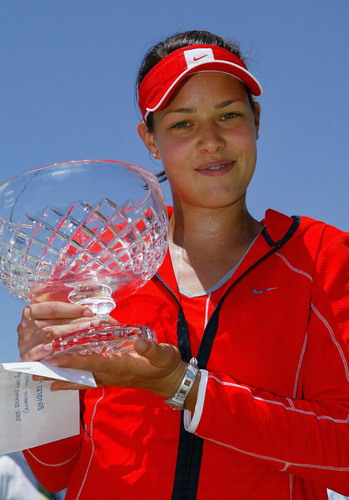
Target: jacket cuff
<point x="190" y="421"/>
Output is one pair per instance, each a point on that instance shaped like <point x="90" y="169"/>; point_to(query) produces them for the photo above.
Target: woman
<point x="262" y="306"/>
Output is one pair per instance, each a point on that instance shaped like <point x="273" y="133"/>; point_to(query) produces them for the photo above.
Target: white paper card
<point x="46" y="370"/>
<point x="32" y="415"/>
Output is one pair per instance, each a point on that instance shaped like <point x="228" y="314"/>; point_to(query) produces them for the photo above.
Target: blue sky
<point x="67" y="93"/>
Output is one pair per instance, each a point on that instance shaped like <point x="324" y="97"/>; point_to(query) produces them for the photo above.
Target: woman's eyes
<point x="229" y="116"/>
<point x="181" y="125"/>
<point x="226" y="116"/>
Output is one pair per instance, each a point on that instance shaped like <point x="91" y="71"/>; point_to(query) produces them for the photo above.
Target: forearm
<point x="305" y="438"/>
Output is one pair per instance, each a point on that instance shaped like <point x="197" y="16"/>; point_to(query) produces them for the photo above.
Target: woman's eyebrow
<point x="182" y="110"/>
<point x="224" y="104"/>
<point x="220" y="105"/>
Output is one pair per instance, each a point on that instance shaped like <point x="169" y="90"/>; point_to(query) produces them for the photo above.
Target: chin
<point x="214" y="204"/>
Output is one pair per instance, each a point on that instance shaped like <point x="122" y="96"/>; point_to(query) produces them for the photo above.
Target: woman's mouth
<point x="216" y="168"/>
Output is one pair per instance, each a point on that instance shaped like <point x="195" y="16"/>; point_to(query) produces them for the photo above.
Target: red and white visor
<point x="159" y="84"/>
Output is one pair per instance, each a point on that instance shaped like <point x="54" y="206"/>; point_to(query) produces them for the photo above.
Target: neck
<point x="209" y="230"/>
<point x="205" y="244"/>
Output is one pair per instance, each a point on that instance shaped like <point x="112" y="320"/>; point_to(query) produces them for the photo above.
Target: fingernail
<point x="47" y="347"/>
<point x="84" y="325"/>
<point x="142" y="345"/>
<point x="88" y="312"/>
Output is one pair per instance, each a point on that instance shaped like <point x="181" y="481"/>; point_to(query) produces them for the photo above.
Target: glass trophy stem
<point x="96" y="296"/>
<point x="103" y="338"/>
<point x="100" y="306"/>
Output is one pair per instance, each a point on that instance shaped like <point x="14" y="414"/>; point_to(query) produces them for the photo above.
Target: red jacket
<point x="273" y="404"/>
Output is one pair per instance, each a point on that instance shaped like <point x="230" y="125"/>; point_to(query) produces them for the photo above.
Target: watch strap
<point x="176" y="402"/>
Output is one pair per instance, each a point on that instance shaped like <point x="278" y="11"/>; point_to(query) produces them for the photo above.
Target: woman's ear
<point x="257" y="117"/>
<point x="148" y="138"/>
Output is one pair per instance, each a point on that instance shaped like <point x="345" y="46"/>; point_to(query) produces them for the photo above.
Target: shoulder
<point x="327" y="239"/>
<point x="313" y="245"/>
<point x="309" y="230"/>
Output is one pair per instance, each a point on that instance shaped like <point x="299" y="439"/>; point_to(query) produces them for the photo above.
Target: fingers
<point x="50" y="313"/>
<point x="60" y="385"/>
<point x="38" y="345"/>
<point x="67" y="386"/>
<point x="43" y="322"/>
<point x="92" y="362"/>
<point x="157" y="368"/>
<point x="159" y="355"/>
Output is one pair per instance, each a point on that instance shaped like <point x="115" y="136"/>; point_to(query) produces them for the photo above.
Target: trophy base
<point x="101" y="339"/>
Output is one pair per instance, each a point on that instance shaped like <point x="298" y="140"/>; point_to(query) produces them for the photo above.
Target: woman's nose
<point x="210" y="138"/>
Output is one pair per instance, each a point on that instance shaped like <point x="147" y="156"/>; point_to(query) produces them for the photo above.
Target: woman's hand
<point x="157" y="368"/>
<point x="43" y="322"/>
<point x="153" y="367"/>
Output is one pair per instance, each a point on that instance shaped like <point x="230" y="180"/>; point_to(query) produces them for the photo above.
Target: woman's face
<point x="206" y="138"/>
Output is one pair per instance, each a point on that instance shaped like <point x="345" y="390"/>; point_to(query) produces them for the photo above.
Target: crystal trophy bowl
<point x="88" y="232"/>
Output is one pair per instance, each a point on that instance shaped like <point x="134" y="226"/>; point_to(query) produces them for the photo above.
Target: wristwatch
<point x="176" y="402"/>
